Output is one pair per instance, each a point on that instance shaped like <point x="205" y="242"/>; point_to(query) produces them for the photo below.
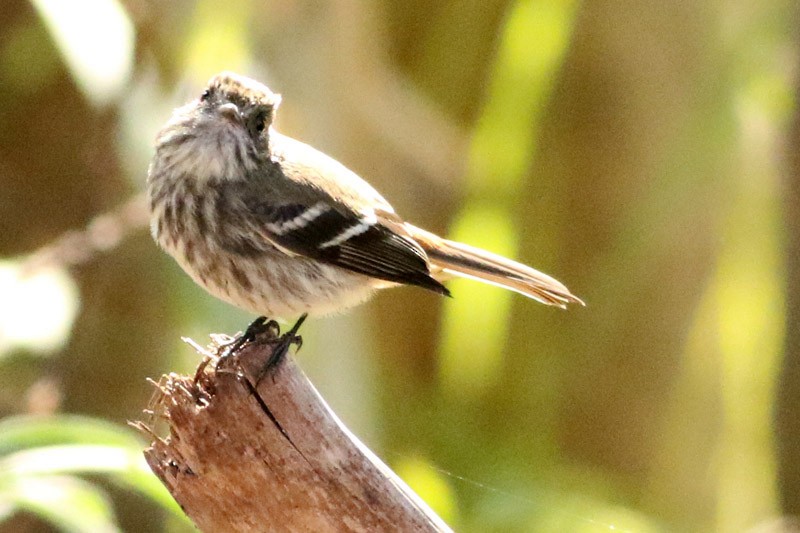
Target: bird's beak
<point x="230" y="113"/>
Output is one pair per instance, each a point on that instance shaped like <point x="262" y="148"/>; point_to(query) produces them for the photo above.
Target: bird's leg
<point x="281" y="348"/>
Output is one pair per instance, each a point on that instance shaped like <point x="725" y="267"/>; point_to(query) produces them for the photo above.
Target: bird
<point x="277" y="228"/>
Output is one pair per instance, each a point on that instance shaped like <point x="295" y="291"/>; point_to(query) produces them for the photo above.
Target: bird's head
<point x="224" y="133"/>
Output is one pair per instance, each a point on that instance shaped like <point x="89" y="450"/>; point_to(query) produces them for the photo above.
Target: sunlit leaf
<point x="37" y="308"/>
<point x="430" y="485"/>
<point x="68" y="503"/>
<point x="20" y="432"/>
<point x="218" y="40"/>
<point x="96" y="38"/>
<point x="470" y="352"/>
<point x="532" y="48"/>
<point x="125" y="466"/>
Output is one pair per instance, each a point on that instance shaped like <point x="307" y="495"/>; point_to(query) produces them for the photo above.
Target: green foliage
<point x="41" y="457"/>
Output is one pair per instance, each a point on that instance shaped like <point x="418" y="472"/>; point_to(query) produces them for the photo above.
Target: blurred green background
<point x="645" y="153"/>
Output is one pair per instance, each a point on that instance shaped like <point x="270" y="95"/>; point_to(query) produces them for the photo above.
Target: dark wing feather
<point x="375" y="251"/>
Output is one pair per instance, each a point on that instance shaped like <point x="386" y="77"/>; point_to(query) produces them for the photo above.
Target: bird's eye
<point x="206" y="95"/>
<point x="257" y="122"/>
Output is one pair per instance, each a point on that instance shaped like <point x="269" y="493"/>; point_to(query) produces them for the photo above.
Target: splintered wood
<point x="271" y="458"/>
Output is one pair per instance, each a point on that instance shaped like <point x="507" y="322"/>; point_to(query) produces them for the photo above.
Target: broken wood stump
<point x="272" y="457"/>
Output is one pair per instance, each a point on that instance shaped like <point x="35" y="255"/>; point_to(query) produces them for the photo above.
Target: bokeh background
<point x="645" y="153"/>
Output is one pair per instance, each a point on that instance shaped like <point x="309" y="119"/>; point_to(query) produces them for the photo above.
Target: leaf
<point x="38" y="446"/>
<point x="69" y="503"/>
<point x="125" y="466"/>
<point x="21" y="432"/>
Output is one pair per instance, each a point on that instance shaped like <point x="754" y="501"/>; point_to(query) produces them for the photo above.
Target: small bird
<point x="277" y="228"/>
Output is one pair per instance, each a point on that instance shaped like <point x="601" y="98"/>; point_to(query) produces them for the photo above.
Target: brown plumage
<point x="275" y="227"/>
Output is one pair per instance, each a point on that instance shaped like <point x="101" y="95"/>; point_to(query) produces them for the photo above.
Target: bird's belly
<point x="272" y="284"/>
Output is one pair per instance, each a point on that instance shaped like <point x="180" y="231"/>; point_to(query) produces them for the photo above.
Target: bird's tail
<point x="466" y="261"/>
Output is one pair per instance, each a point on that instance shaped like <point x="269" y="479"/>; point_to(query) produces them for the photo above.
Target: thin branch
<point x="104" y="233"/>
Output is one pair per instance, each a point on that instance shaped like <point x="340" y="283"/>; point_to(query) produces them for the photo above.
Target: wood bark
<point x="272" y="457"/>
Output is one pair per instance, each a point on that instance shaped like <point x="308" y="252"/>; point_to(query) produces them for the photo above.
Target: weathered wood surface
<point x="275" y="458"/>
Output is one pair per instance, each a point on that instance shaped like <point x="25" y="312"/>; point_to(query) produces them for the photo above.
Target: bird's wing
<point x="333" y="233"/>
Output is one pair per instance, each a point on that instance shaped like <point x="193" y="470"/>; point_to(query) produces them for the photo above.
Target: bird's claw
<point x="281" y="347"/>
<point x="256" y="329"/>
<point x="267" y="331"/>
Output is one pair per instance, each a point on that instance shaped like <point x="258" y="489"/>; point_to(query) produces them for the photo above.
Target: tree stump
<point x="272" y="457"/>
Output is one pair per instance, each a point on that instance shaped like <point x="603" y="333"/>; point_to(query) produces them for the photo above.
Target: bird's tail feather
<point x="467" y="261"/>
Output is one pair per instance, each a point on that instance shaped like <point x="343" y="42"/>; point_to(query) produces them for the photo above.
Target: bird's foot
<point x="280" y="347"/>
<point x="266" y="331"/>
<point x="258" y="328"/>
